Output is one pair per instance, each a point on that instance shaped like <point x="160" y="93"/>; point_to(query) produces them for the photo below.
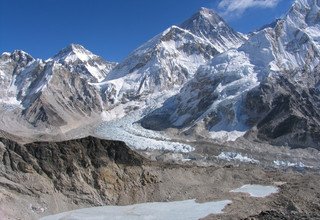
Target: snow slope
<point x="164" y="63"/>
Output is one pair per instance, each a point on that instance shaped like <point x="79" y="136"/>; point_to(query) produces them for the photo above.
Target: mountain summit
<point x="171" y="58"/>
<point x="208" y="25"/>
<point x="72" y="53"/>
<point x="78" y="59"/>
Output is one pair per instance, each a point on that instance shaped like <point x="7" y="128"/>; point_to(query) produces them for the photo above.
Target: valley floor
<point x="42" y="179"/>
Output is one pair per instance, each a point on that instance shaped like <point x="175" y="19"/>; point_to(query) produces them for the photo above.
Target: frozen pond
<point x="184" y="210"/>
<point x="257" y="190"/>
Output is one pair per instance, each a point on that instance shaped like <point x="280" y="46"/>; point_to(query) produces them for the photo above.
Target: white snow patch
<point x="226" y="135"/>
<point x="230" y="156"/>
<point x="281" y="163"/>
<point x="6" y="53"/>
<point x="10" y="101"/>
<point x="95" y="72"/>
<point x="257" y="190"/>
<point x="182" y="210"/>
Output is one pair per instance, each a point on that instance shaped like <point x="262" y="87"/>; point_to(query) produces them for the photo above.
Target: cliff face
<point x="77" y="166"/>
<point x="83" y="172"/>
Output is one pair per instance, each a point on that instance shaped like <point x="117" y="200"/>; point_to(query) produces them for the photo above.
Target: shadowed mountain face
<point x="286" y="112"/>
<point x="76" y="173"/>
<point x="56" y="159"/>
<point x="86" y="170"/>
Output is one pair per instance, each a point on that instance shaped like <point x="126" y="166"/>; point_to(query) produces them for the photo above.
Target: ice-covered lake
<point x="179" y="210"/>
<point x="256" y="190"/>
<point x="182" y="210"/>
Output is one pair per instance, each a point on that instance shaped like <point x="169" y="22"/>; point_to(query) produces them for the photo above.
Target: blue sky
<point x="113" y="28"/>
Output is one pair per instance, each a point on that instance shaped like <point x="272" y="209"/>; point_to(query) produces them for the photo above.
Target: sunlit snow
<point x="230" y="156"/>
<point x="182" y="210"/>
<point x="257" y="190"/>
<point x="125" y="129"/>
<point x="280" y="163"/>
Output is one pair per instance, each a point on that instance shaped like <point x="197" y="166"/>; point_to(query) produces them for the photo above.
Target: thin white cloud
<point x="234" y="8"/>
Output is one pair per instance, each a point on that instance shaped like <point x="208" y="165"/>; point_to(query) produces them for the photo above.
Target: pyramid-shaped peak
<point x="72" y="53"/>
<point x="203" y="15"/>
<point x="207" y="24"/>
<point x="73" y="47"/>
<point x="208" y="12"/>
<point x="20" y="53"/>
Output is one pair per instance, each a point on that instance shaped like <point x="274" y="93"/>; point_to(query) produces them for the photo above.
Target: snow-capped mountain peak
<point x="72" y="53"/>
<point x="164" y="63"/>
<point x="80" y="60"/>
<point x="208" y="25"/>
<point x="20" y="56"/>
<point x="210" y="16"/>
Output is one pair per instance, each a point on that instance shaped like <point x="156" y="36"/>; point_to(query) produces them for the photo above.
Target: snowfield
<point x="179" y="210"/>
<point x="183" y="210"/>
<point x="280" y="163"/>
<point x="234" y="156"/>
<point x="257" y="190"/>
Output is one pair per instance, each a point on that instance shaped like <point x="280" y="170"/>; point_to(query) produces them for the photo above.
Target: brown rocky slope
<point x="40" y="179"/>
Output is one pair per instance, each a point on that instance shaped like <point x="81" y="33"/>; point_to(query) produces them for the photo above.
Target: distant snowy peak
<point x="210" y="26"/>
<point x="11" y="64"/>
<point x="172" y="46"/>
<point x="52" y="95"/>
<point x="80" y="60"/>
<point x="163" y="63"/>
<point x="72" y="53"/>
<point x="17" y="56"/>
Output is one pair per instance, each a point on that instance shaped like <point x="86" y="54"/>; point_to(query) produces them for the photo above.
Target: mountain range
<point x="212" y="82"/>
